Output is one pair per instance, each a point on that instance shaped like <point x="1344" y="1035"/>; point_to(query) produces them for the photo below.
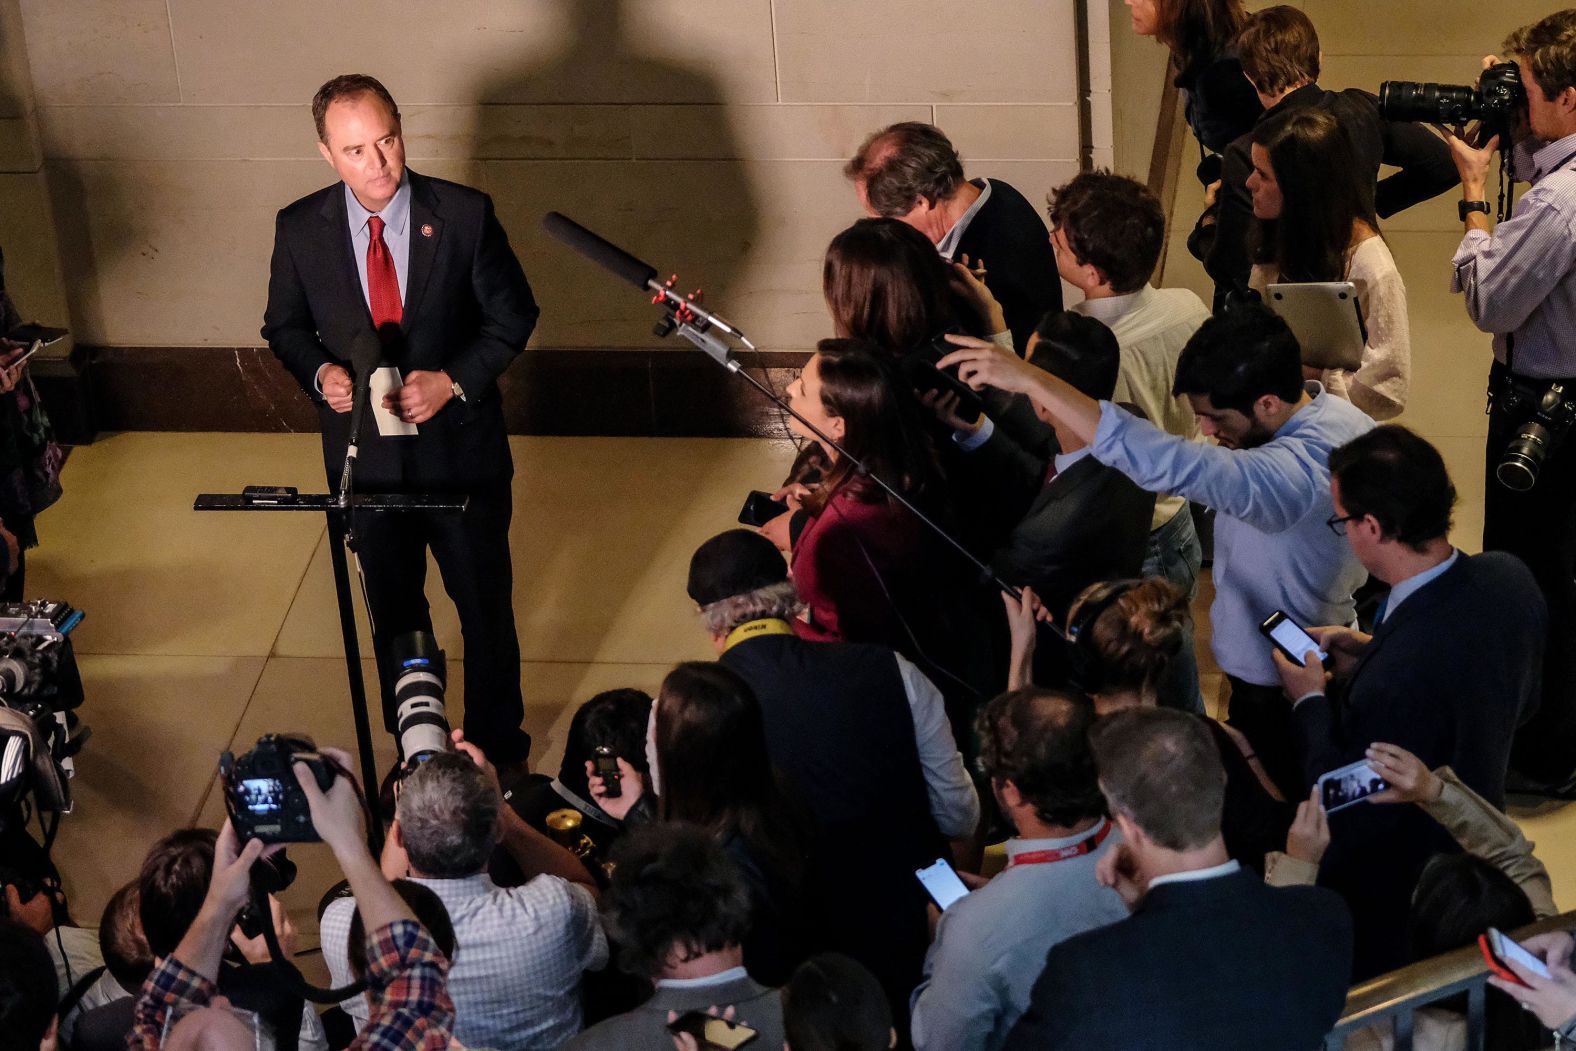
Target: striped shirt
<point x="1520" y="280"/>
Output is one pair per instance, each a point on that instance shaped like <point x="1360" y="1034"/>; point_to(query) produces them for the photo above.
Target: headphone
<point x="1084" y="669"/>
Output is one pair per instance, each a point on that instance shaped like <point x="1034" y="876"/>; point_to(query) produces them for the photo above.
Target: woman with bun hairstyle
<point x="1123" y="635"/>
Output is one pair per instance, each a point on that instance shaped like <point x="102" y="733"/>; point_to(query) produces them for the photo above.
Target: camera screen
<point x="261" y="795"/>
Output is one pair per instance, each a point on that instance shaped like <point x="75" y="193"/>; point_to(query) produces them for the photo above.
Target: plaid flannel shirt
<point x="406" y="976"/>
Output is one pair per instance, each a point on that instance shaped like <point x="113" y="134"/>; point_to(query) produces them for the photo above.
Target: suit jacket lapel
<point x="1416" y="604"/>
<point x="343" y="255"/>
<point x="426" y="230"/>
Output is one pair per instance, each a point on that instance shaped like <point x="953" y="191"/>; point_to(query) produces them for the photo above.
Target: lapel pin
<point x="426" y="229"/>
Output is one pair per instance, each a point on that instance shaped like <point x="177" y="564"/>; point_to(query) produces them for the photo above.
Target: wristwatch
<point x="1464" y="208"/>
<point x="456" y="389"/>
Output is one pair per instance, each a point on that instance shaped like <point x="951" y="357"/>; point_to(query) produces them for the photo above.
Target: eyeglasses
<point x="1337" y="523"/>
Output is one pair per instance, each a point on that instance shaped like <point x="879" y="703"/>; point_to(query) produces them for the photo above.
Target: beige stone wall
<point x="705" y="135"/>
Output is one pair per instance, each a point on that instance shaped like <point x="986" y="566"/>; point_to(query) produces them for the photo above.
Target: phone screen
<point x="1349" y="784"/>
<point x="1512" y="951"/>
<point x="1292" y="640"/>
<point x="941" y="883"/>
<point x="711" y="1031"/>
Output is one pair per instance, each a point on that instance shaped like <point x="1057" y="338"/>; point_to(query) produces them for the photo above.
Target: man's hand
<point x="256" y="949"/>
<point x="943" y="405"/>
<point x="1309" y="835"/>
<point x="1118" y="870"/>
<point x="421" y="396"/>
<point x="1472" y="161"/>
<point x="10" y="367"/>
<point x="631" y="787"/>
<point x="1409" y="778"/>
<point x="230" y="885"/>
<point x="1300" y="680"/>
<point x="476" y="756"/>
<point x="982" y="364"/>
<point x="1344" y="645"/>
<point x="338" y="388"/>
<point x="686" y="1042"/>
<point x="337" y="815"/>
<point x="1024" y="615"/>
<point x="969" y="280"/>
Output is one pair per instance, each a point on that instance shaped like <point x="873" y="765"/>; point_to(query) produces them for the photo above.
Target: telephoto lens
<point x="420" y="719"/>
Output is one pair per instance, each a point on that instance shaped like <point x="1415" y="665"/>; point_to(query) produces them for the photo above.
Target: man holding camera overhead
<point x="1519" y="279"/>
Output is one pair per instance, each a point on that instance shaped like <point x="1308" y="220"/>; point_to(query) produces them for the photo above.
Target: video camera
<point x="40" y="690"/>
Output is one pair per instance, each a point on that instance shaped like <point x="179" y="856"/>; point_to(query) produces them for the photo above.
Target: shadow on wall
<point x="646" y="157"/>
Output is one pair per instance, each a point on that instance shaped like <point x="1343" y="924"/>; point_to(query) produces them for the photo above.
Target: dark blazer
<point x="1090" y="524"/>
<point x="1010" y="236"/>
<point x="1426" y="171"/>
<point x="468" y="311"/>
<point x="1223" y="964"/>
<point x="1448" y="676"/>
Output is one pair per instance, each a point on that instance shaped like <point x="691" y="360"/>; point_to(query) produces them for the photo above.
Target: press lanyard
<point x="1048" y="857"/>
<point x="751" y="629"/>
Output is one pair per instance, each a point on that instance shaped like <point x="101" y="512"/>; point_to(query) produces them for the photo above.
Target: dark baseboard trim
<point x="628" y="393"/>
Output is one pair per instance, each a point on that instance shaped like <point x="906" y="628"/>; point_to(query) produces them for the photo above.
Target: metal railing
<point x="1396" y="996"/>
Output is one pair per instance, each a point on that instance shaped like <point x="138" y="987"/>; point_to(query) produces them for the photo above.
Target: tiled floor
<point x="205" y="630"/>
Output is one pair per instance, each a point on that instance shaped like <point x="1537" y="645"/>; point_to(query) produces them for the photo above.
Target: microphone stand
<point x="688" y="319"/>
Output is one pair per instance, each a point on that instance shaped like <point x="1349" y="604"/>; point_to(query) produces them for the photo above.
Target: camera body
<point x="1553" y="413"/>
<point x="40" y="688"/>
<point x="1497" y="100"/>
<point x="261" y="793"/>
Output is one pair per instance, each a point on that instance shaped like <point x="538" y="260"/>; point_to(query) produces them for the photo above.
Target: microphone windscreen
<point x="605" y="254"/>
<point x="366" y="350"/>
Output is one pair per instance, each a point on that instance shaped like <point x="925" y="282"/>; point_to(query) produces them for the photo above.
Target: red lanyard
<point x="1046" y="857"/>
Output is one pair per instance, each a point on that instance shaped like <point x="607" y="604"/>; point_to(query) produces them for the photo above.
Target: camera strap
<point x="295" y="982"/>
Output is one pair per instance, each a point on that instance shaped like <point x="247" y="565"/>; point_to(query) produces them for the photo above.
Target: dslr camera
<point x="1551" y="411"/>
<point x="40" y="690"/>
<point x="420" y="719"/>
<point x="261" y="793"/>
<point x="1498" y="100"/>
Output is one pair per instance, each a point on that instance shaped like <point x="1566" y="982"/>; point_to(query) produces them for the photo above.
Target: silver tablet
<point x="1325" y="318"/>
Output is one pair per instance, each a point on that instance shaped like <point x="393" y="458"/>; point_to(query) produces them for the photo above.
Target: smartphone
<point x="1498" y="948"/>
<point x="711" y="1031"/>
<point x="1290" y="639"/>
<point x="1349" y="784"/>
<point x="941" y="883"/>
<point x="606" y="765"/>
<point x="759" y="508"/>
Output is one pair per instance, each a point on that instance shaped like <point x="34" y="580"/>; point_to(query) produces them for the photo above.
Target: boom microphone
<point x="603" y="253"/>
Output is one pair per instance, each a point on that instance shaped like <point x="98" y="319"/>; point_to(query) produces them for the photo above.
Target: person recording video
<point x="1518" y="279"/>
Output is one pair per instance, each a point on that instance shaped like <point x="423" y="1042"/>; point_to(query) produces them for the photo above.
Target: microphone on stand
<point x="366" y="350"/>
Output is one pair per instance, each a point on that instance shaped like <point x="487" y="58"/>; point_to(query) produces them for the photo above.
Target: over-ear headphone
<point x="1085" y="672"/>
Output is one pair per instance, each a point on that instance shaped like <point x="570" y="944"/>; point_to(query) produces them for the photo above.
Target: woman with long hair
<point x="1217" y="99"/>
<point x="1319" y="224"/>
<point x="706" y="753"/>
<point x="885" y="284"/>
<point x="861" y="562"/>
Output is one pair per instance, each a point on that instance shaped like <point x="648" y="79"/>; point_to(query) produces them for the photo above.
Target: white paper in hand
<point x="386" y="381"/>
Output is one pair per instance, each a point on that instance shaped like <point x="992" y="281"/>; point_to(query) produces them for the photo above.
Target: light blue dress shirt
<point x="990" y="945"/>
<point x="1273" y="549"/>
<point x="396" y="234"/>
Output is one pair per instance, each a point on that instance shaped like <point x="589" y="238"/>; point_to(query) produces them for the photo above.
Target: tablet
<point x="1325" y="318"/>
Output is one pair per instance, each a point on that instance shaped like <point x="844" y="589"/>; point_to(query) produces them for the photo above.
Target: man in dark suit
<point x="1451" y="669"/>
<point x="1211" y="957"/>
<point x="425" y="264"/>
<point x="1087" y="522"/>
<point x="910" y="171"/>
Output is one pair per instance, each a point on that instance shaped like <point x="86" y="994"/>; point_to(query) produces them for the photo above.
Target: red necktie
<point x="382" y="281"/>
<point x="1050" y="473"/>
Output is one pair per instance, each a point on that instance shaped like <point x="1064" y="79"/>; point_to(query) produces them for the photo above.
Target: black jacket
<point x="1448" y="677"/>
<point x="1225" y="964"/>
<point x="468" y="311"/>
<point x="1009" y="235"/>
<point x="1426" y="171"/>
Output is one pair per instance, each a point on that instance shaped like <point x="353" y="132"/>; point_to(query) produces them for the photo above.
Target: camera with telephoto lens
<point x="261" y="793"/>
<point x="1497" y="100"/>
<point x="420" y="720"/>
<point x="40" y="690"/>
<point x="1553" y="413"/>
